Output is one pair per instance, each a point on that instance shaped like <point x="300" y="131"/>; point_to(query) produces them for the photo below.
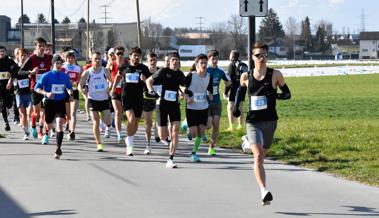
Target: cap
<point x="56" y="58"/>
<point x="110" y="51"/>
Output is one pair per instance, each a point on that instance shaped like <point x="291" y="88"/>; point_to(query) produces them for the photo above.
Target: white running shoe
<point x="107" y="132"/>
<point x="129" y="151"/>
<point x="171" y="164"/>
<point x="165" y="142"/>
<point x="147" y="150"/>
<point x="26" y="137"/>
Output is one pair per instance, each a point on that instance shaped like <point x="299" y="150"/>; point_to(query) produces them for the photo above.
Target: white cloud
<point x="336" y="2"/>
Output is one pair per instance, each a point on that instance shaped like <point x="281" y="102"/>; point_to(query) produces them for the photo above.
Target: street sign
<point x="256" y="8"/>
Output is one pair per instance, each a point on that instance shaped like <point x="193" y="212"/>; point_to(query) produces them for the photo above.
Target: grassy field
<point x="331" y="124"/>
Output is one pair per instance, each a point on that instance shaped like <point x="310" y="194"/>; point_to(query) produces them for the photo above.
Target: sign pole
<point x="250" y="41"/>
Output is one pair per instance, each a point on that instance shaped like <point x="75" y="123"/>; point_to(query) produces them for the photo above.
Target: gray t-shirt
<point x="199" y="87"/>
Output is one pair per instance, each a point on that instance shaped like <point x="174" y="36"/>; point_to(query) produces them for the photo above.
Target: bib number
<point x="199" y="97"/>
<point x="57" y="88"/>
<point x="158" y="89"/>
<point x="131" y="77"/>
<point x="72" y="75"/>
<point x="170" y="95"/>
<point x="3" y="75"/>
<point x="24" y="83"/>
<point x="258" y="103"/>
<point x="99" y="87"/>
<point x="215" y="90"/>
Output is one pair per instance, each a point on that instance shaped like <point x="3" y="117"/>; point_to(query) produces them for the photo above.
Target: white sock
<point x="264" y="191"/>
<point x="130" y="141"/>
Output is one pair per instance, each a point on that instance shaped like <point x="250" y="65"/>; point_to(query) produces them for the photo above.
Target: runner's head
<point x="57" y="62"/>
<point x="234" y="55"/>
<point x="39" y="46"/>
<point x="201" y="63"/>
<point x="166" y="61"/>
<point x="119" y="51"/>
<point x="21" y="55"/>
<point x="70" y="57"/>
<point x="3" y="50"/>
<point x="49" y="49"/>
<point x="174" y="61"/>
<point x="96" y="59"/>
<point x="260" y="53"/>
<point x="135" y="55"/>
<point x="213" y="56"/>
<point x="152" y="60"/>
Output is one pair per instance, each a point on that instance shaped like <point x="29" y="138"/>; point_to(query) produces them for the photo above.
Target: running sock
<point x="5" y="115"/>
<point x="130" y="141"/>
<point x="196" y="144"/>
<point x="59" y="137"/>
<point x="34" y="120"/>
<point x="26" y="130"/>
<point x="171" y="157"/>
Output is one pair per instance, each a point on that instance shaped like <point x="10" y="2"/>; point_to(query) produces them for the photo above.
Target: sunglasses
<point x="58" y="63"/>
<point x="261" y="55"/>
<point x="119" y="53"/>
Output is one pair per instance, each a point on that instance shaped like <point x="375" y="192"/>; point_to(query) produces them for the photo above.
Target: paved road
<point x="88" y="184"/>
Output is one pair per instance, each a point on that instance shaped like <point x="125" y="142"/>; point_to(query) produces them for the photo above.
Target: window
<point x="185" y="51"/>
<point x="364" y="50"/>
<point x="373" y="42"/>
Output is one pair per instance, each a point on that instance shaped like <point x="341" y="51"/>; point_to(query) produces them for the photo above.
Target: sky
<point x="345" y="15"/>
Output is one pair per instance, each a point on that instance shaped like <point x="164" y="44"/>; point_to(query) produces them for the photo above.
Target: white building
<point x="369" y="45"/>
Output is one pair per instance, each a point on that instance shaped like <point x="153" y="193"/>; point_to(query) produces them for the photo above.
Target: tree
<point x="321" y="43"/>
<point x="292" y="30"/>
<point x="271" y="28"/>
<point x="56" y="21"/>
<point x="151" y="34"/>
<point x="220" y="39"/>
<point x="238" y="29"/>
<point x="25" y="18"/>
<point x="82" y="20"/>
<point x="66" y="20"/>
<point x="306" y="35"/>
<point x="41" y="18"/>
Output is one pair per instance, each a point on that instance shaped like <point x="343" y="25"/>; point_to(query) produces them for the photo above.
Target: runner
<point x="52" y="86"/>
<point x="94" y="84"/>
<point x="149" y="105"/>
<point x="22" y="89"/>
<point x="170" y="79"/>
<point x="6" y="100"/>
<point x="134" y="76"/>
<point x="261" y="119"/>
<point x="37" y="64"/>
<point x="215" y="106"/>
<point x="113" y="66"/>
<point x="199" y="86"/>
<point x="235" y="69"/>
<point x="74" y="72"/>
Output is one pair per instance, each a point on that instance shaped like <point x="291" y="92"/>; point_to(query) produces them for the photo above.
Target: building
<point x="369" y="45"/>
<point x="10" y="38"/>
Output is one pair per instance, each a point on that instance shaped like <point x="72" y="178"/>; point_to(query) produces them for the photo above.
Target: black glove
<point x="236" y="112"/>
<point x="152" y="94"/>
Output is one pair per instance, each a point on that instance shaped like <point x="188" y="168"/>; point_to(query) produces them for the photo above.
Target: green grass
<point x="331" y="124"/>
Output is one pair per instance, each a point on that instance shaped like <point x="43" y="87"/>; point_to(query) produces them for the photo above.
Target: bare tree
<point x="221" y="39"/>
<point x="292" y="30"/>
<point x="151" y="35"/>
<point x="238" y="28"/>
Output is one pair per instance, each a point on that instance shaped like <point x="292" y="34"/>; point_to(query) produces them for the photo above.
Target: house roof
<point x="369" y="36"/>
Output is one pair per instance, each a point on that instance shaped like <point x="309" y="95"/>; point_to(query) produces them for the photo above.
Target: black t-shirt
<point x="132" y="85"/>
<point x="5" y="65"/>
<point x="23" y="80"/>
<point x="235" y="71"/>
<point x="170" y="81"/>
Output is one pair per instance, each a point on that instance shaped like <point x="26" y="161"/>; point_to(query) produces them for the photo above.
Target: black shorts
<point x="233" y="92"/>
<point x="196" y="117"/>
<point x="135" y="105"/>
<point x="76" y="95"/>
<point x="36" y="98"/>
<point x="168" y="111"/>
<point x="54" y="109"/>
<point x="214" y="109"/>
<point x="94" y="105"/>
<point x="116" y="97"/>
<point x="148" y="105"/>
<point x="6" y="102"/>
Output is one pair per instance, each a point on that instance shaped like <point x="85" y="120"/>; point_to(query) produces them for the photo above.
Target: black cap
<point x="56" y="58"/>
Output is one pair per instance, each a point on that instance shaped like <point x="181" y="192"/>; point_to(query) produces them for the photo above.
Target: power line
<point x="200" y="25"/>
<point x="363" y="20"/>
<point x="105" y="13"/>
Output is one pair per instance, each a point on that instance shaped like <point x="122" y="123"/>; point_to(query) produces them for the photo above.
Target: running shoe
<point x="211" y="151"/>
<point x="45" y="139"/>
<point x="34" y="133"/>
<point x="267" y="198"/>
<point x="26" y="137"/>
<point x="100" y="147"/>
<point x="120" y="139"/>
<point x="52" y="133"/>
<point x="88" y="117"/>
<point x="107" y="132"/>
<point x="129" y="151"/>
<point x="189" y="136"/>
<point x="165" y="142"/>
<point x="58" y="153"/>
<point x="157" y="139"/>
<point x="204" y="138"/>
<point x="171" y="164"/>
<point x="7" y="127"/>
<point x="71" y="136"/>
<point x="147" y="150"/>
<point x="195" y="158"/>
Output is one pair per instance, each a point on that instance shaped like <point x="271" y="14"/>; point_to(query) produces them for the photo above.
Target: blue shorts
<point x="23" y="100"/>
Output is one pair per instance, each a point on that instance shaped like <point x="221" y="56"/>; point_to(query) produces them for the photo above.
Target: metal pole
<point x="22" y="24"/>
<point x="251" y="41"/>
<point x="294" y="47"/>
<point x="52" y="27"/>
<point x="87" y="50"/>
<point x="138" y="26"/>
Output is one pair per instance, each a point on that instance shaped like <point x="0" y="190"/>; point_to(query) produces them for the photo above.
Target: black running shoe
<point x="7" y="127"/>
<point x="58" y="153"/>
<point x="157" y="139"/>
<point x="72" y="136"/>
<point x="267" y="199"/>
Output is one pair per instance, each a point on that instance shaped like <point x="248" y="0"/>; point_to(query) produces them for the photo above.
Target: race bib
<point x="199" y="97"/>
<point x="72" y="75"/>
<point x="170" y="95"/>
<point x="258" y="103"/>
<point x="215" y="90"/>
<point x="4" y="75"/>
<point x="24" y="83"/>
<point x="131" y="77"/>
<point x="57" y="88"/>
<point x="99" y="87"/>
<point x="158" y="89"/>
<point x="38" y="76"/>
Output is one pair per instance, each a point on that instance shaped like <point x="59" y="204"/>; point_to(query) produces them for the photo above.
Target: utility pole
<point x="105" y="13"/>
<point x="251" y="41"/>
<point x="22" y="24"/>
<point x="87" y="50"/>
<point x="200" y="26"/>
<point x="52" y="27"/>
<point x="138" y="26"/>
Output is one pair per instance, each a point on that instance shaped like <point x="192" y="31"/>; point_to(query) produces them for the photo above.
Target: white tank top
<point x="97" y="85"/>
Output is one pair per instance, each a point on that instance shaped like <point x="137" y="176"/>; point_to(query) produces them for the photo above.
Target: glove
<point x="152" y="94"/>
<point x="236" y="112"/>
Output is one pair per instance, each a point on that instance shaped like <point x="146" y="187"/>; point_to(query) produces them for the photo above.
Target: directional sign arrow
<point x="246" y="2"/>
<point x="261" y="5"/>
